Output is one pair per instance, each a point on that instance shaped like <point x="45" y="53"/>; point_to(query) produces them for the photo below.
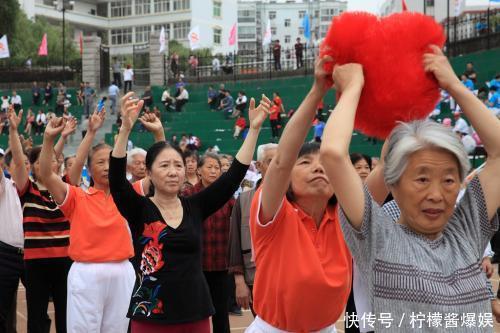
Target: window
<point x="121" y="36"/>
<point x="121" y="8"/>
<point x="181" y="29"/>
<point x="288" y="22"/>
<point x="162" y="6"/>
<point x="429" y="3"/>
<point x="142" y="34"/>
<point x="102" y="9"/>
<point x="217" y="9"/>
<point x="287" y="39"/>
<point x="246" y="32"/>
<point x="142" y="7"/>
<point x="316" y="13"/>
<point x="301" y="30"/>
<point x="302" y="13"/>
<point x="181" y="4"/>
<point x="246" y="16"/>
<point x="272" y="15"/>
<point x="217" y="35"/>
<point x="273" y="31"/>
<point x="157" y="28"/>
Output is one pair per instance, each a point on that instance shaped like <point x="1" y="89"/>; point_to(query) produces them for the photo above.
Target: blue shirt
<point x="212" y="94"/>
<point x="87" y="91"/>
<point x="495" y="100"/>
<point x="495" y="83"/>
<point x="228" y="103"/>
<point x="469" y="84"/>
<point x="318" y="129"/>
<point x="113" y="90"/>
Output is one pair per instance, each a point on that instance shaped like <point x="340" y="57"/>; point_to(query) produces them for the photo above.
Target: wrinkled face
<point x="99" y="166"/>
<point x="138" y="166"/>
<point x="168" y="171"/>
<point x="210" y="171"/>
<point x="54" y="166"/>
<point x="225" y="164"/>
<point x="191" y="165"/>
<point x="263" y="165"/>
<point x="427" y="191"/>
<point x="308" y="179"/>
<point x="362" y="168"/>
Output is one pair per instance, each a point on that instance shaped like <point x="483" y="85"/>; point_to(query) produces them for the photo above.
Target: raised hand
<point x="322" y="78"/>
<point x="437" y="64"/>
<point x="69" y="128"/>
<point x="14" y="120"/>
<point x="151" y="122"/>
<point x="130" y="109"/>
<point x="348" y="76"/>
<point x="96" y="120"/>
<point x="257" y="115"/>
<point x="54" y="127"/>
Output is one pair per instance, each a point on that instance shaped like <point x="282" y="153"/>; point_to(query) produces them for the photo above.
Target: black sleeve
<point x="216" y="195"/>
<point x="127" y="200"/>
<point x="235" y="258"/>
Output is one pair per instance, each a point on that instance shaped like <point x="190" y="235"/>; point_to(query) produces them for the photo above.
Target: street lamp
<point x="62" y="5"/>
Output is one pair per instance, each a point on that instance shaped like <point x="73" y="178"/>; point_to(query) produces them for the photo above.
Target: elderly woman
<point x="429" y="261"/>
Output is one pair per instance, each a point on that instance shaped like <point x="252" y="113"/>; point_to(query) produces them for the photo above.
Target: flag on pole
<point x="81" y="43"/>
<point x="194" y="38"/>
<point x="306" y="25"/>
<point x="42" y="49"/>
<point x="162" y="40"/>
<point x="458" y="7"/>
<point x="4" y="47"/>
<point x="267" y="34"/>
<point x="405" y="7"/>
<point x="232" y="35"/>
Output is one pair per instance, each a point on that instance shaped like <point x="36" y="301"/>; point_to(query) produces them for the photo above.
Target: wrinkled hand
<point x="322" y="78"/>
<point x="54" y="127"/>
<point x="243" y="295"/>
<point x="69" y="128"/>
<point x="257" y="115"/>
<point x="487" y="267"/>
<point x="14" y="120"/>
<point x="151" y="122"/>
<point x="130" y="109"/>
<point x="96" y="120"/>
<point x="348" y="76"/>
<point x="437" y="64"/>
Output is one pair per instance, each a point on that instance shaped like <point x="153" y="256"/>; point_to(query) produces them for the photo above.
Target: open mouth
<point x="433" y="213"/>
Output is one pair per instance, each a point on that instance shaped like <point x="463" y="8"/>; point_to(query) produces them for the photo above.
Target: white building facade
<point x="286" y="18"/>
<point x="123" y="23"/>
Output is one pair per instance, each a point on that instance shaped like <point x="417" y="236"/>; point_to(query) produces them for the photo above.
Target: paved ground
<point x="238" y="324"/>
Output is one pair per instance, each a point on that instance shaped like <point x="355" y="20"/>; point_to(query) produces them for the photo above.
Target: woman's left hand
<point x="54" y="127"/>
<point x="257" y="115"/>
<point x="437" y="64"/>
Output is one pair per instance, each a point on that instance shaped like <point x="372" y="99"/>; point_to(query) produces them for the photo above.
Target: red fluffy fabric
<point x="390" y="50"/>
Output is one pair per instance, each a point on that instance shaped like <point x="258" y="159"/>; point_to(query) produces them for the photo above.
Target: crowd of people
<point x="306" y="234"/>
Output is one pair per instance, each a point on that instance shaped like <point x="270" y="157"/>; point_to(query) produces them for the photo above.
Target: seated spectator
<point x="495" y="82"/>
<point x="16" y="101"/>
<point x="167" y="100"/>
<point x="239" y="126"/>
<point x="148" y="97"/>
<point x="227" y="104"/>
<point x="182" y="99"/>
<point x="5" y="104"/>
<point x="468" y="142"/>
<point x="241" y="104"/>
<point x="461" y="125"/>
<point x="470" y="72"/>
<point x="60" y="103"/>
<point x="35" y="93"/>
<point x="47" y="94"/>
<point x="493" y="102"/>
<point x="40" y="122"/>
<point x="467" y="82"/>
<point x="30" y="120"/>
<point x="212" y="98"/>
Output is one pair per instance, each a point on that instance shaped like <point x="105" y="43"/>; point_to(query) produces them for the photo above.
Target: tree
<point x="10" y="11"/>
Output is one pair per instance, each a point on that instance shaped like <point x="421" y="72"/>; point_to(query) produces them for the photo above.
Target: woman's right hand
<point x="130" y="109"/>
<point x="14" y="120"/>
<point x="54" y="127"/>
<point x="348" y="76"/>
<point x="322" y="78"/>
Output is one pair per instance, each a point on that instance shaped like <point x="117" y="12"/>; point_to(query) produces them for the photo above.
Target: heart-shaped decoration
<point x="391" y="50"/>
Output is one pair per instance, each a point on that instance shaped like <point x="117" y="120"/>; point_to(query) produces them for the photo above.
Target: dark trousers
<point x="11" y="271"/>
<point x="45" y="277"/>
<point x="275" y="128"/>
<point x="300" y="61"/>
<point x="219" y="290"/>
<point x="179" y="104"/>
<point x="127" y="84"/>
<point x="277" y="64"/>
<point x="117" y="77"/>
<point x="36" y="99"/>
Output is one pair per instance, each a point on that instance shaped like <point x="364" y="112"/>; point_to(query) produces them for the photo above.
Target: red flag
<point x="42" y="49"/>
<point x="405" y="7"/>
<point x="232" y="35"/>
<point x="81" y="43"/>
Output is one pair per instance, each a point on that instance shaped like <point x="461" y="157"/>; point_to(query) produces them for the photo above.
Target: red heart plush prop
<point x="391" y="50"/>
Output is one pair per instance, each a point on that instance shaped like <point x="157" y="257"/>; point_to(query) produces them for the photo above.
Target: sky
<point x="373" y="5"/>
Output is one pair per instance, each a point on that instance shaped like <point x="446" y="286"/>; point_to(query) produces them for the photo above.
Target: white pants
<point x="99" y="296"/>
<point x="260" y="326"/>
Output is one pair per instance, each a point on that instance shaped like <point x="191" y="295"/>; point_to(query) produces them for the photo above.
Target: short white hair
<point x="408" y="138"/>
<point x="263" y="148"/>
<point x="133" y="152"/>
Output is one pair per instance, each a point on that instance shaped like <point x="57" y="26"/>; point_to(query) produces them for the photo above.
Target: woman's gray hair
<point x="133" y="152"/>
<point x="213" y="156"/>
<point x="263" y="148"/>
<point x="408" y="138"/>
